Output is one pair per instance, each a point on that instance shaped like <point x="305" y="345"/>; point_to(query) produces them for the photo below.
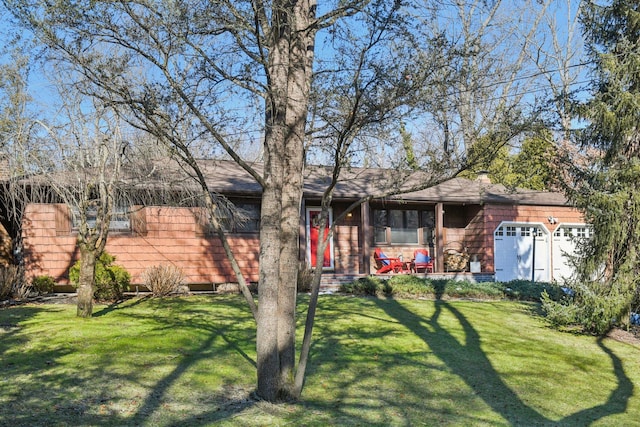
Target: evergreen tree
<point x="528" y="167"/>
<point x="531" y="166"/>
<point x="606" y="191"/>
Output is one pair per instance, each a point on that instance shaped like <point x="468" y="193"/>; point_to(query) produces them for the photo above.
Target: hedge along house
<point x="499" y="234"/>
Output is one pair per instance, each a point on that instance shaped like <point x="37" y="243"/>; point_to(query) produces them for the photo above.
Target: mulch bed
<point x="632" y="336"/>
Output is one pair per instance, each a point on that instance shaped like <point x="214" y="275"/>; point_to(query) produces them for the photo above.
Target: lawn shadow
<point x="468" y="361"/>
<point x="29" y="403"/>
<point x="27" y="406"/>
<point x="224" y="404"/>
<point x="118" y="305"/>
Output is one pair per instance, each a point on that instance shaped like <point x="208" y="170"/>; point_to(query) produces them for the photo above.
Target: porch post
<point x="365" y="256"/>
<point x="439" y="238"/>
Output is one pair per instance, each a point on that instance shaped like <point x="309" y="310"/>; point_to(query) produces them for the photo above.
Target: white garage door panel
<point x="504" y="250"/>
<point x="565" y="240"/>
<point x="516" y="252"/>
<point x="505" y="266"/>
<point x="542" y="271"/>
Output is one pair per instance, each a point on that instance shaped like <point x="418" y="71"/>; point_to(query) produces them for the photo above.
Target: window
<point x="380" y="226"/>
<point x="403" y="226"/>
<point x="250" y="223"/>
<point x="120" y="218"/>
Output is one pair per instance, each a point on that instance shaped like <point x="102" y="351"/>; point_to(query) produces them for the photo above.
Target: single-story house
<point x="499" y="233"/>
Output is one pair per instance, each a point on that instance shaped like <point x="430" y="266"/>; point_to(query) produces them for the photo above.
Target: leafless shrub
<point x="305" y="278"/>
<point x="228" y="288"/>
<point x="163" y="280"/>
<point x="12" y="283"/>
<point x="21" y="290"/>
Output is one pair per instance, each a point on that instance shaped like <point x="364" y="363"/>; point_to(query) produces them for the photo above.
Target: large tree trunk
<point x="268" y="362"/>
<point x="286" y="109"/>
<point x="298" y="88"/>
<point x="86" y="282"/>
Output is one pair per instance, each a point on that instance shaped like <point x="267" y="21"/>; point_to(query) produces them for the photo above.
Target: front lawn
<point x="375" y="361"/>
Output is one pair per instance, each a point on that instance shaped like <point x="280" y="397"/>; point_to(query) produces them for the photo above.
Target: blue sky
<point x="45" y="97"/>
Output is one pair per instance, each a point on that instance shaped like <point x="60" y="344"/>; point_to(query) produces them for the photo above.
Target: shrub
<point x="111" y="280"/>
<point x="466" y="289"/>
<point x="163" y="280"/>
<point x="305" y="278"/>
<point x="371" y="285"/>
<point x="593" y="310"/>
<point x="43" y="284"/>
<point x="21" y="289"/>
<point x="526" y="290"/>
<point x="12" y="283"/>
<point x="559" y="313"/>
<point x="408" y="286"/>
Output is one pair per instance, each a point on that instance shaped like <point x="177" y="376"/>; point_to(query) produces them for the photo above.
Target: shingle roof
<point x="461" y="190"/>
<point x="227" y="177"/>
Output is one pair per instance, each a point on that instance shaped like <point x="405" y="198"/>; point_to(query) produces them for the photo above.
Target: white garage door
<point x="521" y="252"/>
<point x="565" y="240"/>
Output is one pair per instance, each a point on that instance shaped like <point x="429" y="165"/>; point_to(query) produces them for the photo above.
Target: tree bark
<point x="268" y="362"/>
<point x="289" y="73"/>
<point x="298" y="89"/>
<point x="86" y="282"/>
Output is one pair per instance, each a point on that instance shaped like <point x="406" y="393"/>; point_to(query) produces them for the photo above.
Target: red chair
<point x="422" y="261"/>
<point x="384" y="264"/>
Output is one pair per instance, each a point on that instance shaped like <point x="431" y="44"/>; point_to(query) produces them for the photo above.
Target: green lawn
<point x="191" y="361"/>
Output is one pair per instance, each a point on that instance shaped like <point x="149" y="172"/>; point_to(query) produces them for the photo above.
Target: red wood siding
<point x="165" y="235"/>
<point x="168" y="236"/>
<point x="346" y="241"/>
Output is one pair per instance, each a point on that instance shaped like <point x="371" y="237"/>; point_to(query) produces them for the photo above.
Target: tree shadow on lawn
<point x="25" y="403"/>
<point x="120" y="305"/>
<point x="469" y="362"/>
<point x="226" y="402"/>
<point x="53" y="392"/>
<point x="10" y="328"/>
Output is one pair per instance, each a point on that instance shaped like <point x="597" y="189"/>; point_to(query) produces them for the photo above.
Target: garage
<point x="565" y="240"/>
<point x="522" y="251"/>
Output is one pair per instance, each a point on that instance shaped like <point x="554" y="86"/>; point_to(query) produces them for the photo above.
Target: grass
<point x="375" y="361"/>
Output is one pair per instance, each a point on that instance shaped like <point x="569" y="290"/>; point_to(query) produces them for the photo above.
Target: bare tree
<point x="487" y="87"/>
<point x="558" y="52"/>
<point x="80" y="160"/>
<point x="230" y="71"/>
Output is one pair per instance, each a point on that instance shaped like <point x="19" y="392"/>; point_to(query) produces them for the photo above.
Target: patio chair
<point x="385" y="264"/>
<point x="422" y="261"/>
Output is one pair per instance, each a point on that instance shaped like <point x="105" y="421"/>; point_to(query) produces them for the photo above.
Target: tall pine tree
<point x="607" y="190"/>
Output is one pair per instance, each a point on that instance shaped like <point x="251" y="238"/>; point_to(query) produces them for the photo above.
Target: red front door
<point x="314" y="232"/>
